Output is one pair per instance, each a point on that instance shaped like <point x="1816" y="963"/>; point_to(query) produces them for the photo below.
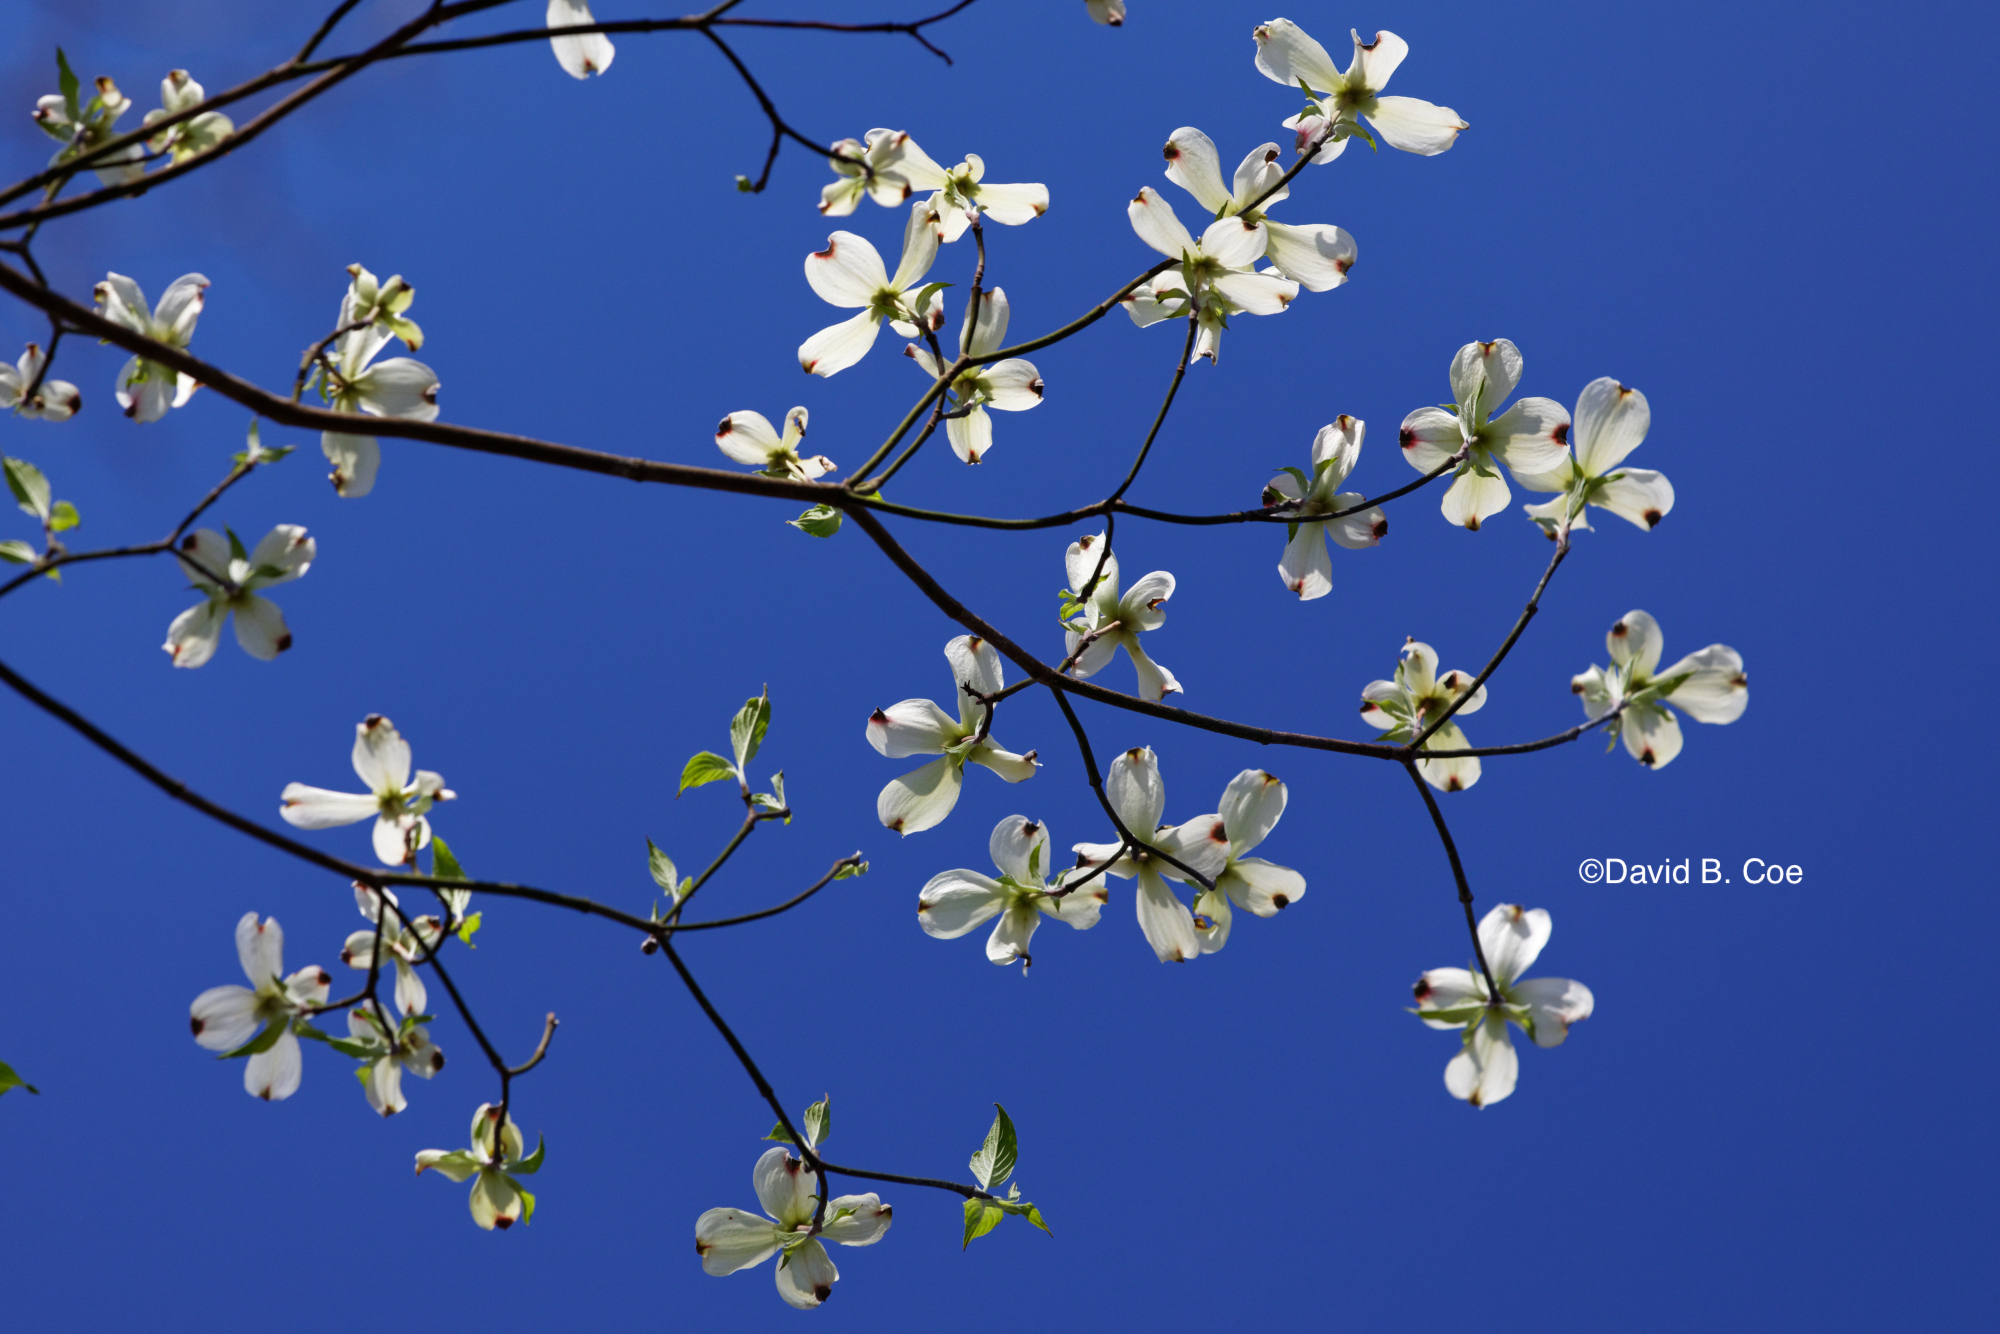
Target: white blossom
<point x="584" y="55"/>
<point x="386" y="1049"/>
<point x="1306" y="567"/>
<point x="397" y="804"/>
<point x="1531" y="438"/>
<point x="1136" y="792"/>
<point x="889" y="166"/>
<point x="147" y="389"/>
<point x="1110" y="621"/>
<point x="849" y="273"/>
<point x="1511" y="937"/>
<point x="495" y="1159"/>
<point x="224" y="1018"/>
<point x="954" y="902"/>
<point x="1288" y="56"/>
<point x="81" y="128"/>
<point x="403" y="946"/>
<point x="1709" y="686"/>
<point x="1011" y="385"/>
<point x="923" y="797"/>
<point x="53" y="400"/>
<point x="206" y="556"/>
<point x="1317" y="256"/>
<point x="1611" y="422"/>
<point x="1214" y="279"/>
<point x="398" y="387"/>
<point x="731" y="1239"/>
<point x="1249" y="811"/>
<point x="197" y="134"/>
<point x="748" y="437"/>
<point x="1407" y="705"/>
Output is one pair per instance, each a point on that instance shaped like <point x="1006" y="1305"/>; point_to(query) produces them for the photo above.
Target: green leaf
<point x="981" y="1217"/>
<point x="994" y="1162"/>
<point x="1020" y="1208"/>
<point x="819" y="1120"/>
<point x="662" y="867"/>
<point x="852" y="869"/>
<point x="64" y="517"/>
<point x="8" y="1080"/>
<point x="264" y="1041"/>
<point x="67" y="81"/>
<point x="819" y="521"/>
<point x="236" y="551"/>
<point x="468" y="926"/>
<point x="746" y="729"/>
<point x="1035" y="861"/>
<point x="30" y="488"/>
<point x="778" y="1134"/>
<point x="705" y="767"/>
<point x="527" y="1201"/>
<point x="1299" y="475"/>
<point x="444" y="863"/>
<point x="18" y="552"/>
<point x="744" y="184"/>
<point x="533" y="1162"/>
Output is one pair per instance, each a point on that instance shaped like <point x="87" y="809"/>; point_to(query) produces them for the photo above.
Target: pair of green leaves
<point x="34" y="496"/>
<point x="255" y="453"/>
<point x="992" y="1165"/>
<point x="818" y="1122"/>
<point x="746" y="735"/>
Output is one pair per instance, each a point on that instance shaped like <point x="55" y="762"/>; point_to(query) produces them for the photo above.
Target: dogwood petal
<point x="748" y="437"/>
<point x="120" y="301"/>
<point x="1635" y="642"/>
<point x="1449" y="775"/>
<point x="1135" y="791"/>
<point x="912" y="727"/>
<point x="1360" y="530"/>
<point x="1194" y="165"/>
<point x="1306" y="568"/>
<point x="976" y="663"/>
<point x="1373" y="695"/>
<point x="398" y="387"/>
<point x="1012" y="385"/>
<point x="848" y="272"/>
<point x="1257" y="293"/>
<point x="274" y="1073"/>
<point x="1234" y="242"/>
<point x="1512" y="938"/>
<point x="1165" y="920"/>
<point x="1716" y="691"/>
<point x="991" y="755"/>
<point x="1080" y="907"/>
<point x="1108" y="12"/>
<point x="1447" y="989"/>
<point x="1089" y="855"/>
<point x="285" y="548"/>
<point x="1012" y="934"/>
<point x="193" y="635"/>
<point x="866" y="1222"/>
<point x="731" y="1239"/>
<point x="1285" y="54"/>
<point x="1155" y="681"/>
<point x="1652" y="734"/>
<point x="1317" y="256"/>
<point x="1531" y="438"/>
<point x="179" y="308"/>
<point x="952" y="903"/>
<point x="580" y="56"/>
<point x="971" y="436"/>
<point x="316" y="808"/>
<point x="1554" y="1003"/>
<point x="1261" y="887"/>
<point x="1012" y="205"/>
<point x="784" y="1186"/>
<point x="392" y="839"/>
<point x="1484" y="1071"/>
<point x="223" y="1017"/>
<point x="806" y="1276"/>
<point x="1153" y="219"/>
<point x="923" y="797"/>
<point x="260" y="948"/>
<point x="1141" y="607"/>
<point x="1611" y="422"/>
<point x="496" y="1204"/>
<point x="1212" y="919"/>
<point x="383" y="1087"/>
<point x="260" y="627"/>
<point x="1082" y="560"/>
<point x="1638" y="495"/>
<point x="1483" y="375"/>
<point x="381" y="756"/>
<point x="452" y="1164"/>
<point x="1375" y="61"/>
<point x="1429" y="436"/>
<point x="838" y="346"/>
<point x="411" y="995"/>
<point x="145" y="390"/>
<point x="1455" y="683"/>
<point x="1473" y="499"/>
<point x="355" y="459"/>
<point x="1251" y="807"/>
<point x="920" y="246"/>
<point x="1013" y="845"/>
<point x="1415" y="126"/>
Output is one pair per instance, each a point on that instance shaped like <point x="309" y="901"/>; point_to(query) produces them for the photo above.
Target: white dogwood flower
<point x="1407" y="705"/>
<point x="1095" y="612"/>
<point x="403" y="946"/>
<point x="1611" y="422"/>
<point x="1709" y="686"/>
<point x="147" y="389"/>
<point x="1306" y="568"/>
<point x="954" y="902"/>
<point x="386" y="1049"/>
<point x="731" y="1239"/>
<point x="1317" y="256"/>
<point x="495" y="1159"/>
<point x="923" y="797"/>
<point x="184" y="139"/>
<point x="224" y="1018"/>
<point x="1531" y="438"/>
<point x="398" y="387"/>
<point x="585" y="54"/>
<point x="849" y="272"/>
<point x="748" y="437"/>
<point x="963" y="196"/>
<point x="80" y="128"/>
<point x="1511" y="937"/>
<point x="1287" y="55"/>
<point x="1250" y="808"/>
<point x="1215" y="279"/>
<point x="206" y="556"/>
<point x="875" y="169"/>
<point x="1136" y="792"/>
<point x="382" y="761"/>
<point x="53" y="400"/>
<point x="1012" y="385"/>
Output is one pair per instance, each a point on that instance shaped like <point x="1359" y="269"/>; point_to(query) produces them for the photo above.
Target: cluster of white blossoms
<point x="494" y="1163"/>
<point x="1510" y="939"/>
<point x="1287" y="55"/>
<point x="954" y="902"/>
<point x="81" y="127"/>
<point x="371" y="313"/>
<point x="748" y="437"/>
<point x="395" y="801"/>
<point x="924" y="796"/>
<point x="1011" y="385"/>
<point x="1320" y="510"/>
<point x="1709" y="686"/>
<point x="731" y="1239"/>
<point x="227" y="1018"/>
<point x="29" y="393"/>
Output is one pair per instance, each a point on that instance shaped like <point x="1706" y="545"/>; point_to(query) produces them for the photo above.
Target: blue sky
<point x="1779" y="1113"/>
